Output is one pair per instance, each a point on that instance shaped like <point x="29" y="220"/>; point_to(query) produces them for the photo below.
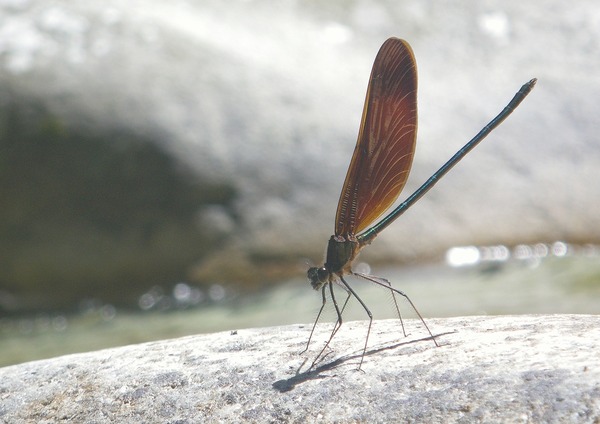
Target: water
<point x="526" y="285"/>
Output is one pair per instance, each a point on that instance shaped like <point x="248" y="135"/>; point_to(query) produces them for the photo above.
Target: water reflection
<point x="37" y="324"/>
<point x="460" y="256"/>
<point x="182" y="296"/>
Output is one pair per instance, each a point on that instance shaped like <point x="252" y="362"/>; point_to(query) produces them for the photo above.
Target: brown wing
<point x="386" y="140"/>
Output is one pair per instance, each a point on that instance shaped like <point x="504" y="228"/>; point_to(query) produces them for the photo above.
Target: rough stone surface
<point x="487" y="369"/>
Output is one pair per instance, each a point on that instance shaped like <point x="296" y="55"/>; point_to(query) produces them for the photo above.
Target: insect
<point x="377" y="174"/>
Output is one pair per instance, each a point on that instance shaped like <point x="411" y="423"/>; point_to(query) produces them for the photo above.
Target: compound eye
<point x="323" y="274"/>
<point x="317" y="276"/>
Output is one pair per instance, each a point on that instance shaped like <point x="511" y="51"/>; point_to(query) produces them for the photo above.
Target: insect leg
<point x="368" y="313"/>
<point x="385" y="283"/>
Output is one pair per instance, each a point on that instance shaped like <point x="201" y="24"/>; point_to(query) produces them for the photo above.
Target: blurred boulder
<point x="261" y="101"/>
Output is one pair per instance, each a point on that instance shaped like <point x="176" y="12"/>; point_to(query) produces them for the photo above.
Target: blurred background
<point x="172" y="168"/>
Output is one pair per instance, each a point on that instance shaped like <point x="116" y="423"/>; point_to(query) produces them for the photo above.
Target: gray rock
<point x="487" y="369"/>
